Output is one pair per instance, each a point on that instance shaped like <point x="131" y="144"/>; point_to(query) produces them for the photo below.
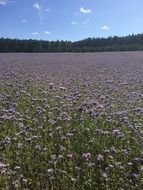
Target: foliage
<point x="128" y="43"/>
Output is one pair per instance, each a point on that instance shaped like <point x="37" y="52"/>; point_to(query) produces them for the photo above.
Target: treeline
<point x="127" y="43"/>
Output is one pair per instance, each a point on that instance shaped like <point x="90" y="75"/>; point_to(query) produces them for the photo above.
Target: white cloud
<point x="85" y="11"/>
<point x="86" y="21"/>
<point x="47" y="10"/>
<point x="3" y="2"/>
<point x="37" y="6"/>
<point x="39" y="11"/>
<point x="105" y="27"/>
<point x="35" y="33"/>
<point x="24" y="20"/>
<point x="47" y="32"/>
<point x="73" y="22"/>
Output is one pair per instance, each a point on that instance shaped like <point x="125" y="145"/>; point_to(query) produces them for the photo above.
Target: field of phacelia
<point x="71" y="121"/>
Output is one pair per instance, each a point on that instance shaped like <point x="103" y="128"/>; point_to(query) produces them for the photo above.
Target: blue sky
<point x="70" y="19"/>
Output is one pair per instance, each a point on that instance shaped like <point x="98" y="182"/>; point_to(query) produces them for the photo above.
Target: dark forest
<point x="127" y="43"/>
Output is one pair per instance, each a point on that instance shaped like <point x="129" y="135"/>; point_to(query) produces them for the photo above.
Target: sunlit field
<point x="71" y="121"/>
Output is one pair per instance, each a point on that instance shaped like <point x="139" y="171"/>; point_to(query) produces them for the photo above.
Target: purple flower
<point x="86" y="156"/>
<point x="100" y="157"/>
<point x="118" y="133"/>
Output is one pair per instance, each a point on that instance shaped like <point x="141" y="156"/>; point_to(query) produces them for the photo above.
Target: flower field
<point x="71" y="121"/>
